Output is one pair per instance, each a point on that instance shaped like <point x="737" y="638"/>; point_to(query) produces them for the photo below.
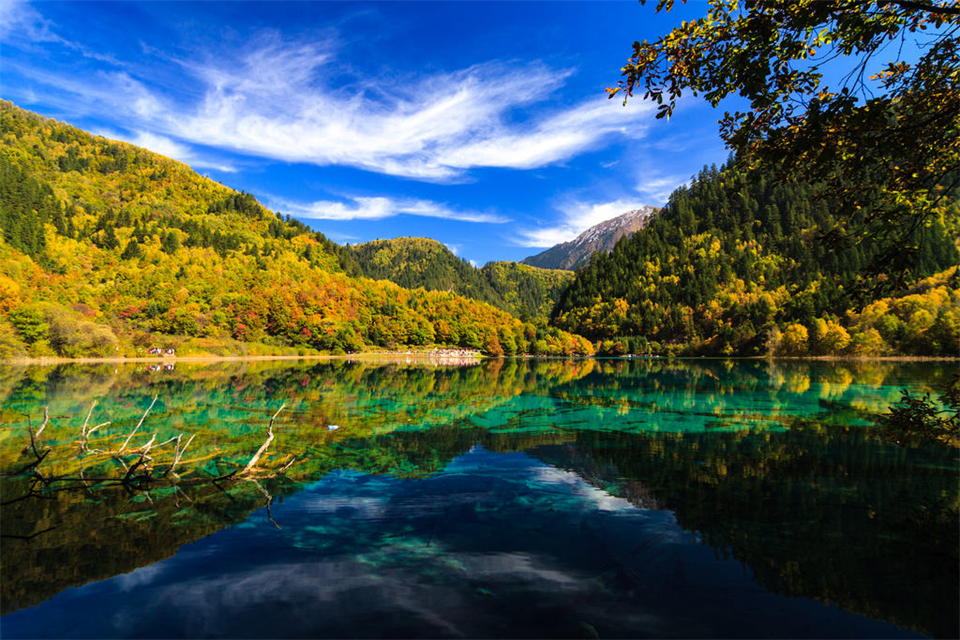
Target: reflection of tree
<point x="750" y="393"/>
<point x="831" y="514"/>
<point x="89" y="537"/>
<point x="61" y="538"/>
<point x="817" y="510"/>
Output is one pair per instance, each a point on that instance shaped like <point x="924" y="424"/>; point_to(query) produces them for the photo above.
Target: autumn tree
<point x="883" y="141"/>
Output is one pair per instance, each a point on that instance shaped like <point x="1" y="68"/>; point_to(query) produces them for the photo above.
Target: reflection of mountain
<point x="813" y="508"/>
<point x="835" y="515"/>
<point x="95" y="538"/>
<point x="494" y="545"/>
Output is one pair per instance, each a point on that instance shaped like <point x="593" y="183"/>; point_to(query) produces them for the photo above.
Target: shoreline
<point x="51" y="361"/>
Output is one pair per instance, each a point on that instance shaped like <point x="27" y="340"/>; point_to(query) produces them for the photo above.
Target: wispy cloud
<point x="291" y="101"/>
<point x="170" y="148"/>
<point x="22" y="25"/>
<point x="656" y="187"/>
<point x="21" y="21"/>
<point x="577" y="217"/>
<point x="378" y="208"/>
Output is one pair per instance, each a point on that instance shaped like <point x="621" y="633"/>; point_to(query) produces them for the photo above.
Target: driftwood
<point x="178" y="453"/>
<point x="84" y="432"/>
<point x="139" y="424"/>
<point x="138" y="467"/>
<point x="46" y="420"/>
<point x="263" y="447"/>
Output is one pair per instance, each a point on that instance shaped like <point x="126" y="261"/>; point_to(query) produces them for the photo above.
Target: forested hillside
<point x="108" y="248"/>
<point x="735" y="265"/>
<point x="422" y="262"/>
<point x="528" y="293"/>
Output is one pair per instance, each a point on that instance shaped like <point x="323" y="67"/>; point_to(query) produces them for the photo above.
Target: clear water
<point x="508" y="499"/>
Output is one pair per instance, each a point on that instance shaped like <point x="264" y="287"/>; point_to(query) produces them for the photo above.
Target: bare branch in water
<point x="178" y="453"/>
<point x="46" y="419"/>
<point x="83" y="429"/>
<point x="263" y="447"/>
<point x="139" y="424"/>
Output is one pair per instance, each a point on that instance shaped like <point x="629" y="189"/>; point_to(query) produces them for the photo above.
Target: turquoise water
<point x="596" y="498"/>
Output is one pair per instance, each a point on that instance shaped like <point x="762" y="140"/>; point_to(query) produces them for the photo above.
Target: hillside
<point x="601" y="237"/>
<point x="110" y="249"/>
<point x="735" y="264"/>
<point x="526" y="292"/>
<point x="423" y="262"/>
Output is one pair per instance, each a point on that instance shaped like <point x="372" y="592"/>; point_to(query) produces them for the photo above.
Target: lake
<point x="510" y="498"/>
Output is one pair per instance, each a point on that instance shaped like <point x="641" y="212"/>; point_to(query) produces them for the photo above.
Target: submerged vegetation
<point x="775" y="465"/>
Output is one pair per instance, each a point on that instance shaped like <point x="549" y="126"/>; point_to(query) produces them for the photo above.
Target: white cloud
<point x="577" y="218"/>
<point x="19" y="19"/>
<point x="170" y="148"/>
<point x="656" y="187"/>
<point x="379" y="207"/>
<point x="289" y="101"/>
<point x="21" y="24"/>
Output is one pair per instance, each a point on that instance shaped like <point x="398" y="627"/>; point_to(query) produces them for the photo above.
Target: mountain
<point x="107" y="249"/>
<point x="601" y="237"/>
<point x="422" y="262"/>
<point x="735" y="264"/>
<point x="526" y="292"/>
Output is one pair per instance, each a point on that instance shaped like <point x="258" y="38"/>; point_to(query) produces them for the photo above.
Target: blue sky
<point x="483" y="125"/>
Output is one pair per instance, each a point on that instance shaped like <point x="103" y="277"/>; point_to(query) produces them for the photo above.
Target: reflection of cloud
<point x="599" y="499"/>
<point x="139" y="577"/>
<point x="346" y="598"/>
<point x="364" y="506"/>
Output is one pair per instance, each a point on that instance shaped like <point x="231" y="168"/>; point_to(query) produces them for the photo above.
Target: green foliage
<point x="733" y="265"/>
<point x="885" y="153"/>
<point x="30" y="323"/>
<point x="919" y="420"/>
<point x="529" y="293"/>
<point x="26" y="205"/>
<point x="422" y="262"/>
<point x="132" y="251"/>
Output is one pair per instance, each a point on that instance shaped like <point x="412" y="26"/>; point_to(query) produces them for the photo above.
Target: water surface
<point x="592" y="498"/>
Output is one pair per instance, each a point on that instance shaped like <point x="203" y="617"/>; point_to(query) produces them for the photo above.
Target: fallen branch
<point x="83" y="429"/>
<point x="84" y="432"/>
<point x="46" y="419"/>
<point x="178" y="453"/>
<point x="263" y="447"/>
<point x="139" y="424"/>
<point x="33" y="444"/>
